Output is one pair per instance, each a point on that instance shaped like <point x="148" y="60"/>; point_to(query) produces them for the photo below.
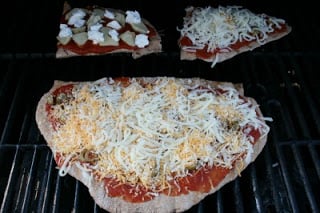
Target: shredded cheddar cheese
<point x="152" y="133"/>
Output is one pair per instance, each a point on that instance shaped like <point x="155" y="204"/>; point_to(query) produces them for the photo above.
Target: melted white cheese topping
<point x="114" y="34"/>
<point x="91" y="21"/>
<point x="77" y="18"/>
<point x="141" y="40"/>
<point x="223" y="26"/>
<point x="114" y="24"/>
<point x="109" y="14"/>
<point x="133" y="17"/>
<point x="94" y="34"/>
<point x="65" y="31"/>
<point x="153" y="133"/>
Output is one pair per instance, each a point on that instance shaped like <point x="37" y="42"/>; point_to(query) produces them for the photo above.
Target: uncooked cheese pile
<point x="153" y="133"/>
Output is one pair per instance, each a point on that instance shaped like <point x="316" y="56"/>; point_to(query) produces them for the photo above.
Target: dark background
<point x="31" y="26"/>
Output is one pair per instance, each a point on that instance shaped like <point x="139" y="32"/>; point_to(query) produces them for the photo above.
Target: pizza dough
<point x="96" y="30"/>
<point x="217" y="34"/>
<point x="160" y="202"/>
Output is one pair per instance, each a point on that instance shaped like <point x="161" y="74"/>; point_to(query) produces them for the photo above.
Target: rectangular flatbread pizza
<point x="95" y="30"/>
<point x="218" y="34"/>
<point x="151" y="144"/>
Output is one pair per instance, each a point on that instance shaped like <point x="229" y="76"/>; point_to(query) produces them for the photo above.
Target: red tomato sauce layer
<point x="202" y="180"/>
<point x="90" y="47"/>
<point x="204" y="54"/>
<point x="66" y="89"/>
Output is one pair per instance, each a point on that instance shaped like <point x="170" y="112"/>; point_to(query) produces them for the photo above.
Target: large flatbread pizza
<point x="96" y="30"/>
<point x="215" y="34"/>
<point x="151" y="144"/>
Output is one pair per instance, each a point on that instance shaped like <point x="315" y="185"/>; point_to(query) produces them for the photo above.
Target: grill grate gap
<point x="280" y="75"/>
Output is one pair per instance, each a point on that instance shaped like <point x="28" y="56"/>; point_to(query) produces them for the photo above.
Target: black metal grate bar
<point x="310" y="194"/>
<point x="76" y="198"/>
<point x="56" y="196"/>
<point x="286" y="176"/>
<point x="45" y="186"/>
<point x="6" y="87"/>
<point x="283" y="158"/>
<point x="277" y="201"/>
<point x="280" y="76"/>
<point x="13" y="113"/>
<point x="237" y="197"/>
<point x="315" y="157"/>
<point x="310" y="103"/>
<point x="27" y="185"/>
<point x="255" y="189"/>
<point x="8" y="190"/>
<point x="305" y="179"/>
<point x="220" y="206"/>
<point x="303" y="125"/>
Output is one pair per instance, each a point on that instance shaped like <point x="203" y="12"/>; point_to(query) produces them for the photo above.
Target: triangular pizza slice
<point x="217" y="34"/>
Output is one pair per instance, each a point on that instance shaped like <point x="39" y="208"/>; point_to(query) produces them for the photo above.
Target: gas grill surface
<point x="281" y="76"/>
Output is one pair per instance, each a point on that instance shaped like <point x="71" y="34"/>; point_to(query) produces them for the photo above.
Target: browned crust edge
<point x="184" y="55"/>
<point x="154" y="46"/>
<point x="161" y="203"/>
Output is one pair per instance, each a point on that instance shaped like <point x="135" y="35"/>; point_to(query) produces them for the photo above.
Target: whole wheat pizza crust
<point x="230" y="53"/>
<point x="161" y="203"/>
<point x="154" y="46"/>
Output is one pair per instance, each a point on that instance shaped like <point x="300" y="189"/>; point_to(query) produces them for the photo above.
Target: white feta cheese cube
<point x="141" y="40"/>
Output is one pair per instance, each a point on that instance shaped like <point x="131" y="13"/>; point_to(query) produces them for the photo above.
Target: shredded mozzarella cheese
<point x="218" y="28"/>
<point x="152" y="133"/>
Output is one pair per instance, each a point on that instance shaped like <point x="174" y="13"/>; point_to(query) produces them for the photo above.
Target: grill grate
<point x="284" y="178"/>
<point x="280" y="76"/>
